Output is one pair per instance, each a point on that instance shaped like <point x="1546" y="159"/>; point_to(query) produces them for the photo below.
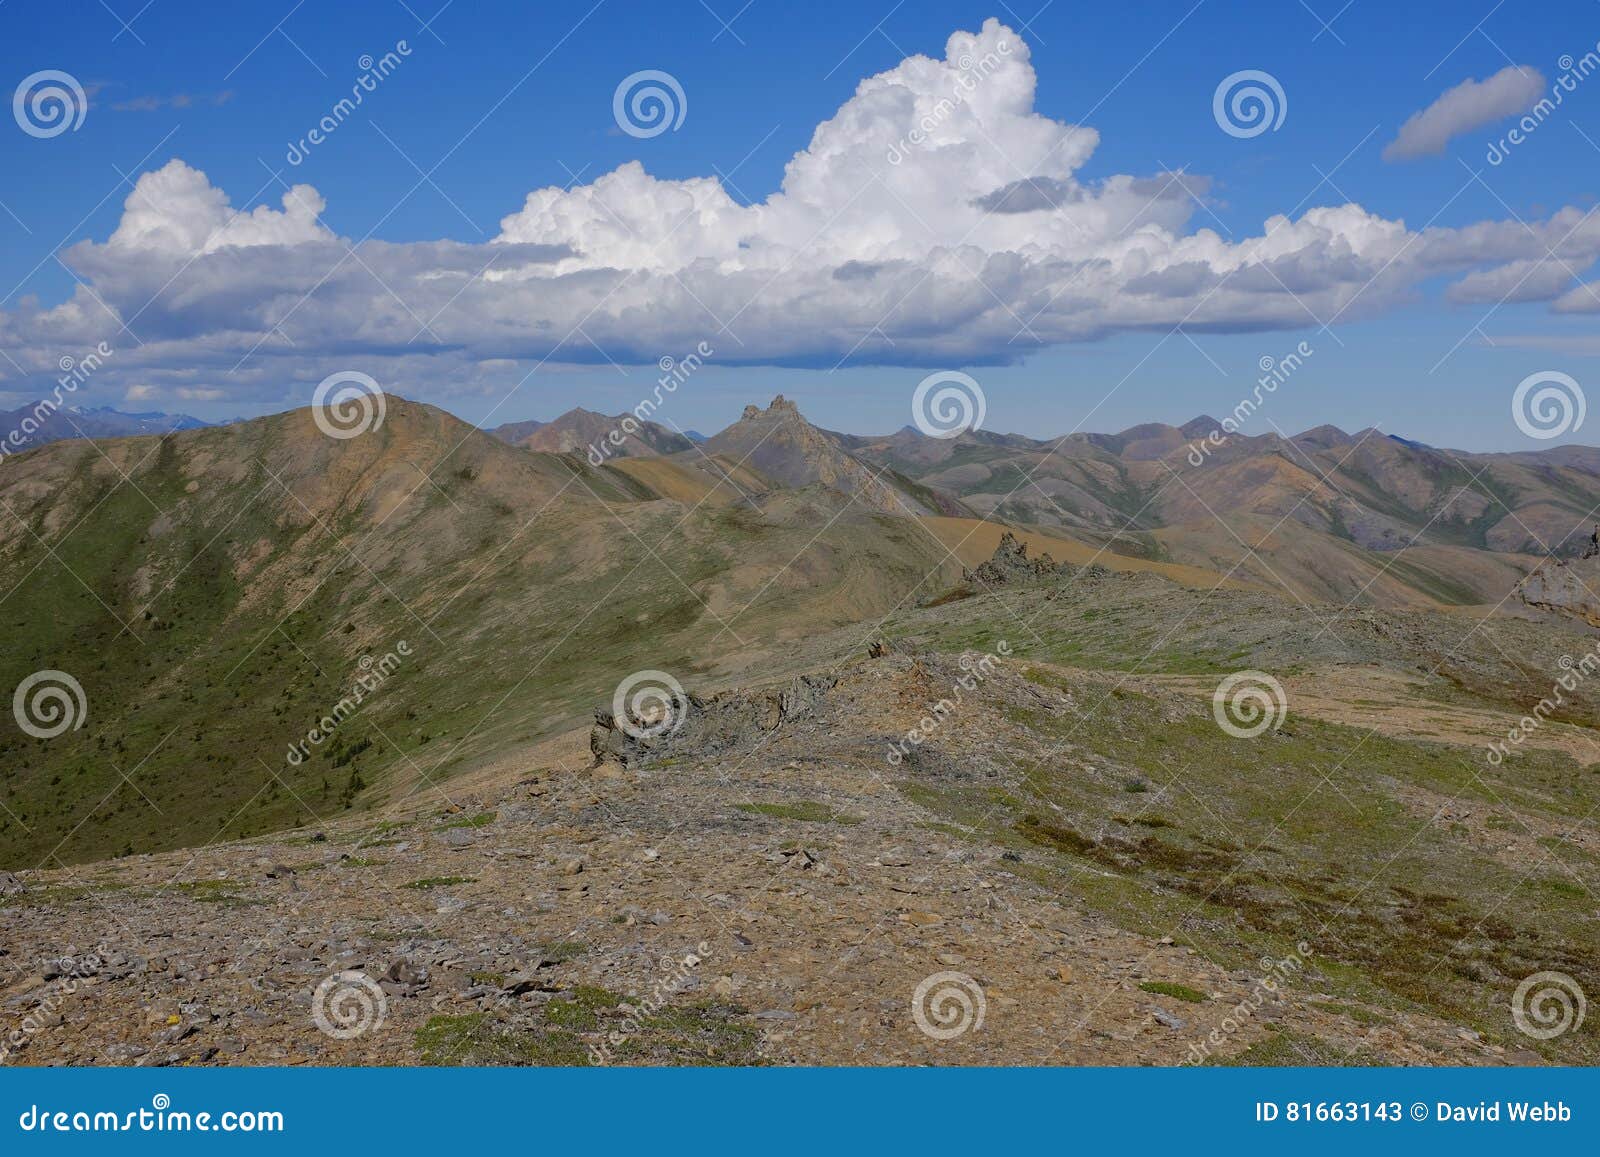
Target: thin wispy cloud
<point x="1469" y="105"/>
<point x="179" y="100"/>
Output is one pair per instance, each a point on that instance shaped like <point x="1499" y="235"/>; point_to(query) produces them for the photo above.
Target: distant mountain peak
<point x="1323" y="437"/>
<point x="41" y="422"/>
<point x="781" y="445"/>
<point x="598" y="436"/>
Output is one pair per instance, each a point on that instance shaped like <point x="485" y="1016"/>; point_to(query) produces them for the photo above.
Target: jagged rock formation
<point x="1010" y="563"/>
<point x="705" y="727"/>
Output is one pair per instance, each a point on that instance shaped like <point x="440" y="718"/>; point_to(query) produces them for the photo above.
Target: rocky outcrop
<point x="1567" y="588"/>
<point x="1010" y="564"/>
<point x="690" y="725"/>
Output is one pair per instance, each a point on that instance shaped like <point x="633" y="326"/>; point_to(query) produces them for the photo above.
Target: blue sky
<point x="495" y="100"/>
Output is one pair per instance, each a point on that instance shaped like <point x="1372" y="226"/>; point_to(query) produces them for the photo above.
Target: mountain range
<point x="188" y="571"/>
<point x="1366" y="517"/>
<point x="35" y="425"/>
<point x="914" y="683"/>
<point x="1324" y="514"/>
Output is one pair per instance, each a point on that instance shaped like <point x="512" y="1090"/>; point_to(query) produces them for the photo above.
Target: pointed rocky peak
<point x="779" y="443"/>
<point x="785" y="446"/>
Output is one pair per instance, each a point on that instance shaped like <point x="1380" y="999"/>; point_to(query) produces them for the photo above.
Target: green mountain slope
<point x="218" y="592"/>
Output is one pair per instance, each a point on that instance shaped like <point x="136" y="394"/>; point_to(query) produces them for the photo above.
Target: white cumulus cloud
<point x="935" y="219"/>
<point x="177" y="210"/>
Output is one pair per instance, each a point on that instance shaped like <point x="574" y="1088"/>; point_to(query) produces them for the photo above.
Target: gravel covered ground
<point x="763" y="886"/>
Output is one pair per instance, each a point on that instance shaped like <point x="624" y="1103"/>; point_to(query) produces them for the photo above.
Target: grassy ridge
<point x="1387" y="856"/>
<point x="526" y="586"/>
